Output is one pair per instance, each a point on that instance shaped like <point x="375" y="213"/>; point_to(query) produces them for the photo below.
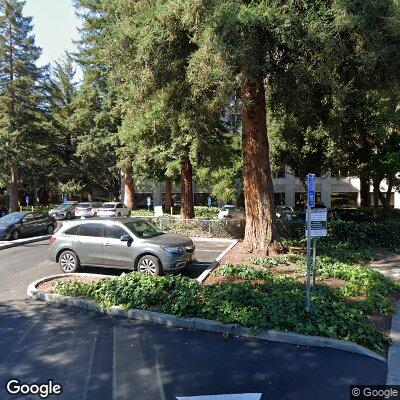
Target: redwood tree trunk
<point x="129" y="190"/>
<point x="14" y="190"/>
<point x="365" y="192"/>
<point x="260" y="232"/>
<point x="168" y="195"/>
<point x="187" y="208"/>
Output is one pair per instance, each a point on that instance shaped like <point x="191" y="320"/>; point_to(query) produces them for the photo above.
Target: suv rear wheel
<point x="69" y="261"/>
<point x="149" y="265"/>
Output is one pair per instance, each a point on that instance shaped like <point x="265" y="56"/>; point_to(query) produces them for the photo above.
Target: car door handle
<point x="78" y="242"/>
<point x="107" y="244"/>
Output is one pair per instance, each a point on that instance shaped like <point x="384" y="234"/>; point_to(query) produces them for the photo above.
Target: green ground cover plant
<point x="272" y="302"/>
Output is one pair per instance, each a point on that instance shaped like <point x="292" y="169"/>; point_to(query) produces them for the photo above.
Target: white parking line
<point x="209" y="251"/>
<point x="240" y="396"/>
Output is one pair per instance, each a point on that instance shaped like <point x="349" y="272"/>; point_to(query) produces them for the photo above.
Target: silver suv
<point x="128" y="243"/>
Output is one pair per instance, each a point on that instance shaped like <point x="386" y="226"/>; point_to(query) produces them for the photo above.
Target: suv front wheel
<point x="149" y="265"/>
<point x="69" y="261"/>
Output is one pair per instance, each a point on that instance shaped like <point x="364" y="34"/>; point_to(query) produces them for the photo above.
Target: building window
<point x="348" y="199"/>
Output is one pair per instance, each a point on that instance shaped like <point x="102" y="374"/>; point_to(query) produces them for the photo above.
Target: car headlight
<point x="174" y="250"/>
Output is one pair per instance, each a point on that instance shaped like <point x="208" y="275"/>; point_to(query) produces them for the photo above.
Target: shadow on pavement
<point x="99" y="357"/>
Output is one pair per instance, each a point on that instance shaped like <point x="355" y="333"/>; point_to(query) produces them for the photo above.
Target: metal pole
<point x="314" y="261"/>
<point x="308" y="300"/>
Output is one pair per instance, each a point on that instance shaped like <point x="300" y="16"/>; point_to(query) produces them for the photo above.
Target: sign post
<point x="310" y="203"/>
<point x="316" y="227"/>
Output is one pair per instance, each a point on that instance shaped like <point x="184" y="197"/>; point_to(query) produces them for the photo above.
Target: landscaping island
<point x="350" y="301"/>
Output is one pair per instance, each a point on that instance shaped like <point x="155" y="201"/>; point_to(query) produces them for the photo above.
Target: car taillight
<point x="89" y="209"/>
<point x="52" y="240"/>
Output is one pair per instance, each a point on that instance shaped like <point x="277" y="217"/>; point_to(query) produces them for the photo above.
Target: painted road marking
<point x="241" y="396"/>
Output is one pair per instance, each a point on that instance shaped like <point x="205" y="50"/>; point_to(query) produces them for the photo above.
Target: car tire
<point x="50" y="229"/>
<point x="149" y="265"/>
<point x="68" y="215"/>
<point x="15" y="234"/>
<point x="69" y="261"/>
<point x="119" y="214"/>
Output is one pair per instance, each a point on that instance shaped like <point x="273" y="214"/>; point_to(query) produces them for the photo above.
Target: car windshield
<point x="64" y="205"/>
<point x="13" y="217"/>
<point x="108" y="205"/>
<point x="84" y="205"/>
<point x="143" y="228"/>
<point x="226" y="208"/>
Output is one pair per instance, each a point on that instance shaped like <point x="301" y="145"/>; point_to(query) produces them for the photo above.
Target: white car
<point x="113" y="209"/>
<point x="85" y="210"/>
<point x="231" y="212"/>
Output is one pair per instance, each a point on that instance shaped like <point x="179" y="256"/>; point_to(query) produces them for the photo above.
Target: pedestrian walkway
<point x="388" y="263"/>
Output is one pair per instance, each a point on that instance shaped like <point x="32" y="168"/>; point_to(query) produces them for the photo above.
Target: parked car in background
<point x="127" y="243"/>
<point x="18" y="224"/>
<point x="65" y="210"/>
<point x="283" y="208"/>
<point x="291" y="216"/>
<point x="231" y="212"/>
<point x="86" y="210"/>
<point x="3" y="211"/>
<point x="113" y="209"/>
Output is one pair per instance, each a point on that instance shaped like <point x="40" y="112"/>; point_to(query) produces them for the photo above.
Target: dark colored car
<point x="18" y="224"/>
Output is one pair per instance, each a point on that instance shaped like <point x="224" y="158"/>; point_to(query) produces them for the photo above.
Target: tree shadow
<point x="96" y="357"/>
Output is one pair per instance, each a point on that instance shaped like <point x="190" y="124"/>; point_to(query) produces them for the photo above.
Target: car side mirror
<point x="126" y="238"/>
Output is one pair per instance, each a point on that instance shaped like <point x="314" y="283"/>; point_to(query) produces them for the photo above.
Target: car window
<point x="13" y="217"/>
<point x="108" y="205"/>
<point x="84" y="205"/>
<point x="119" y="205"/>
<point x="73" y="231"/>
<point x="93" y="230"/>
<point x="38" y="216"/>
<point x="144" y="229"/>
<point x="28" y="217"/>
<point x="114" y="232"/>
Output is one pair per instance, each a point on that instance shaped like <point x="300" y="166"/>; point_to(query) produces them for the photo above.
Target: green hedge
<point x="206" y="212"/>
<point x="39" y="208"/>
<point x="354" y="234"/>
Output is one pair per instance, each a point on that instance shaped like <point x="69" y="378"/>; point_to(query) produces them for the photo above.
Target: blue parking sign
<point x="310" y="190"/>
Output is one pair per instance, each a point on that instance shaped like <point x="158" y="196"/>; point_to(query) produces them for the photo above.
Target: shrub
<point x="142" y="213"/>
<point x="355" y="235"/>
<point x="204" y="228"/>
<point x="206" y="212"/>
<point x="276" y="302"/>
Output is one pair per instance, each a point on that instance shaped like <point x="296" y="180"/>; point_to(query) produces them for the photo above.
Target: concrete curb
<point x="23" y="241"/>
<point x="215" y="263"/>
<point x="210" y="239"/>
<point x="393" y="375"/>
<point x="197" y="323"/>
